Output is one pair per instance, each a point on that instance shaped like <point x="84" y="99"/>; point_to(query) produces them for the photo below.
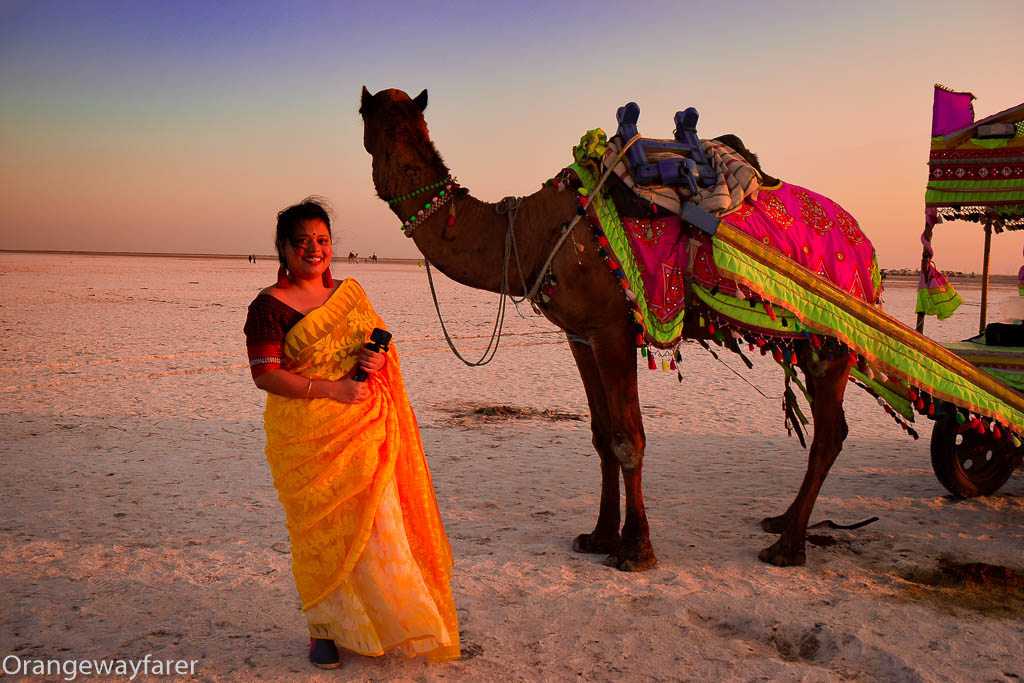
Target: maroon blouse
<point x="268" y="322"/>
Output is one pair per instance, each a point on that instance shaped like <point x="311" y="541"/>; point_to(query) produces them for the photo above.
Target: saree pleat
<point x="370" y="558"/>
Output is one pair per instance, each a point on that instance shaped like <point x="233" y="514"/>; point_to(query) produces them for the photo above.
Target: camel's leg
<point x="605" y="537"/>
<point x="830" y="430"/>
<point x="615" y="357"/>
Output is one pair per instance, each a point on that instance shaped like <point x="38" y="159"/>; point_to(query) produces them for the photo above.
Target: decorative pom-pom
<point x="650" y="362"/>
<point x="960" y="419"/>
<point x="672" y="365"/>
<point x="654" y="208"/>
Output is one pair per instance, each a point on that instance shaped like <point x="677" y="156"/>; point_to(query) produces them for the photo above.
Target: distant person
<point x="250" y="258"/>
<point x="370" y="557"/>
<point x="373" y="257"/>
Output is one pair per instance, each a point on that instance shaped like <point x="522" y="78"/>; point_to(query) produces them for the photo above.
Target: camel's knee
<point x="629" y="449"/>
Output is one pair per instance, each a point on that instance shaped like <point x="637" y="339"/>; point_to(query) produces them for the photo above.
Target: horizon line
<point x="173" y="254"/>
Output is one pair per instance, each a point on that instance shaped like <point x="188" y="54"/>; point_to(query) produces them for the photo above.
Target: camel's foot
<point x="636" y="559"/>
<point x="592" y="543"/>
<point x="781" y="556"/>
<point x="775" y="525"/>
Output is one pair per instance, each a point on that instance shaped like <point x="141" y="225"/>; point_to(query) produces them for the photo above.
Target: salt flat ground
<point x="139" y="514"/>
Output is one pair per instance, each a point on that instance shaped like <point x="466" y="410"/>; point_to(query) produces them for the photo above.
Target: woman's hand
<point x="371" y="361"/>
<point x="348" y="391"/>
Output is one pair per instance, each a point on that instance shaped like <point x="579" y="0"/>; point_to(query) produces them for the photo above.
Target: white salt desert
<point x="139" y="515"/>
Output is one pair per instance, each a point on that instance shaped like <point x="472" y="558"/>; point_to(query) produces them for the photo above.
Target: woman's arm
<point x="291" y="385"/>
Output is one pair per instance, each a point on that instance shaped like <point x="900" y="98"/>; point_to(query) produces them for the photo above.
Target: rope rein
<point x="510" y="206"/>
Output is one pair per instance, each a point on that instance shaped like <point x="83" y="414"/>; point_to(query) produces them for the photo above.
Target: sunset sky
<point x="185" y="126"/>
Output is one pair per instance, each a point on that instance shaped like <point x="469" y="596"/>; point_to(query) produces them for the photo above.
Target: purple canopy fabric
<point x="951" y="110"/>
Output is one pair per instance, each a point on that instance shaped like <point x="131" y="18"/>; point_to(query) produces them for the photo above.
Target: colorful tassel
<point x="650" y="362"/>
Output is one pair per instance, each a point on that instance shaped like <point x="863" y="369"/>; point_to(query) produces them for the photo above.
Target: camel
<point x="589" y="307"/>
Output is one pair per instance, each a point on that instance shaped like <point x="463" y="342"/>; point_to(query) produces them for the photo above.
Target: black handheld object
<point x="379" y="340"/>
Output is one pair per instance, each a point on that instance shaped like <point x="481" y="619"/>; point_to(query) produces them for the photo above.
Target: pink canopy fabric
<point x="951" y="110"/>
<point x="807" y="227"/>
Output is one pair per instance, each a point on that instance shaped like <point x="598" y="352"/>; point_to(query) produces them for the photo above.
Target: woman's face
<point x="308" y="251"/>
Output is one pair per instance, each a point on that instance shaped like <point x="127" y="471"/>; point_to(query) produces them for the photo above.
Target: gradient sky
<point x="185" y="126"/>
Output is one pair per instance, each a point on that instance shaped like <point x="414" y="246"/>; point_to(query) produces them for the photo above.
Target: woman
<point x="369" y="554"/>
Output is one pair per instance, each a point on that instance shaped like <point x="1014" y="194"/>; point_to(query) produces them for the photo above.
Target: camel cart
<point x="975" y="174"/>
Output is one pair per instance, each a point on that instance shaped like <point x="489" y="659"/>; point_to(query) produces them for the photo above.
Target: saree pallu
<point x="370" y="557"/>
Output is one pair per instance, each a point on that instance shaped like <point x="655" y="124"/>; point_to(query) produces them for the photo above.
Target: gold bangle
<point x="309" y="384"/>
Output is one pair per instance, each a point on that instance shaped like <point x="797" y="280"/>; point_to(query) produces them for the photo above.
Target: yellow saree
<point x="370" y="557"/>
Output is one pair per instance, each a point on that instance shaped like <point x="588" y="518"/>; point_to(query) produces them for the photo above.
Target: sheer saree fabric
<point x="369" y="554"/>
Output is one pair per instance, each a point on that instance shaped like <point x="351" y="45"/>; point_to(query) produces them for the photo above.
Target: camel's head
<point x="391" y="115"/>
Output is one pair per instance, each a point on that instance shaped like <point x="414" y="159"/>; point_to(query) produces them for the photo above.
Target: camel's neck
<point x="472" y="251"/>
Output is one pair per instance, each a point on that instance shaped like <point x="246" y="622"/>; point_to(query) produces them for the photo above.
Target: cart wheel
<point x="967" y="463"/>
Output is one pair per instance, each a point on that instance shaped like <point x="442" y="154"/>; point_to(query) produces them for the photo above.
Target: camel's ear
<point x="364" y="100"/>
<point x="421" y="100"/>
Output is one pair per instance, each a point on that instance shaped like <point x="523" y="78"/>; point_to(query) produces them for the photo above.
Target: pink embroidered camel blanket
<point x="805" y="226"/>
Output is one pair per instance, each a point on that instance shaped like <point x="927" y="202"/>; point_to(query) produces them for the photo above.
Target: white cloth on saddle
<point x="737" y="179"/>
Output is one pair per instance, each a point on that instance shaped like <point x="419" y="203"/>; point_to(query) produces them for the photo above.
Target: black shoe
<point x="323" y="653"/>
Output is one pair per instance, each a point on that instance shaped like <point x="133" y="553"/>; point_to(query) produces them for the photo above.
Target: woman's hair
<point x="310" y="208"/>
